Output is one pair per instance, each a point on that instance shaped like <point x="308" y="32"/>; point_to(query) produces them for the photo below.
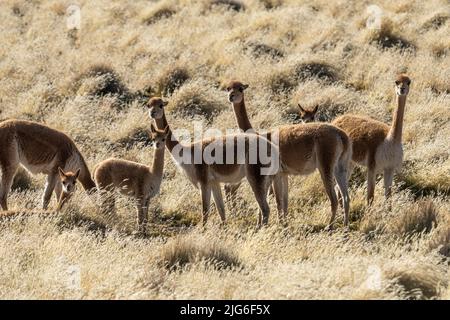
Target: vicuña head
<point x="236" y="91"/>
<point x="158" y="137"/>
<point x="69" y="185"/>
<point x="155" y="107"/>
<point x="402" y="84"/>
<point x="68" y="180"/>
<point x="308" y="115"/>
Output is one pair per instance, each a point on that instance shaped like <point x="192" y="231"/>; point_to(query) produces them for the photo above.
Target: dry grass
<point x="92" y="82"/>
<point x="187" y="250"/>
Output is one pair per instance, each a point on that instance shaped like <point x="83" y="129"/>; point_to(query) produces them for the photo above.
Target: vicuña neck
<point x="241" y="116"/>
<point x="397" y="120"/>
<point x="171" y="141"/>
<point x="86" y="179"/>
<point x="158" y="162"/>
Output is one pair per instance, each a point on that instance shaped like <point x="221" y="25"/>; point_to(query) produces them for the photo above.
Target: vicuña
<point x="303" y="149"/>
<point x="209" y="176"/>
<point x="133" y="179"/>
<point x="377" y="145"/>
<point x="39" y="149"/>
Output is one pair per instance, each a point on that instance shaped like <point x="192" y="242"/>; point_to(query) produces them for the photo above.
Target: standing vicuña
<point x="133" y="179"/>
<point x="376" y="145"/>
<point x="39" y="149"/>
<point x="234" y="163"/>
<point x="303" y="148"/>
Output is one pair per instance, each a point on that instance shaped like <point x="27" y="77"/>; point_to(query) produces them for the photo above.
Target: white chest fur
<point x="389" y="155"/>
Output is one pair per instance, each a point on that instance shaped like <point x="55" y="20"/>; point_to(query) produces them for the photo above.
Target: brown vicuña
<point x="133" y="179"/>
<point x="375" y="144"/>
<point x="39" y="149"/>
<point x="303" y="148"/>
<point x="209" y="176"/>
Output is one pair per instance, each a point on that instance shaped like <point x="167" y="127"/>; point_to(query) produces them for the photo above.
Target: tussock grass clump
<point x="197" y="98"/>
<point x="74" y="218"/>
<point x="100" y="80"/>
<point x="186" y="250"/>
<point x="171" y="79"/>
<point x="137" y="136"/>
<point x="271" y="4"/>
<point x="441" y="240"/>
<point x="259" y="50"/>
<point x="420" y="217"/>
<point x="159" y="11"/>
<point x="385" y="37"/>
<point x="281" y="82"/>
<point x="418" y="180"/>
<point x="22" y="181"/>
<point x="315" y="70"/>
<point x="228" y="4"/>
<point x="436" y="21"/>
<point x="415" y="282"/>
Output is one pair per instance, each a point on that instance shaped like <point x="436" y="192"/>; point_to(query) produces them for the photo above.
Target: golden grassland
<point x="91" y="83"/>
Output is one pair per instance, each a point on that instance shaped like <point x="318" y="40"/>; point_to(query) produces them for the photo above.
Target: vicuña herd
<point x="264" y="159"/>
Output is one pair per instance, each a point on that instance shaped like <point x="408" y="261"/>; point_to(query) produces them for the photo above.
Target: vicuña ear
<point x="316" y="108"/>
<point x="244" y="86"/>
<point x="77" y="174"/>
<point x="301" y="108"/>
<point x="62" y="174"/>
<point x="165" y="103"/>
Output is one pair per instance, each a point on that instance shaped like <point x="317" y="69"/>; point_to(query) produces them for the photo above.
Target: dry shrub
<point x="197" y="99"/>
<point x="185" y="250"/>
<point x="419" y="218"/>
<point x="162" y="10"/>
<point x="170" y="79"/>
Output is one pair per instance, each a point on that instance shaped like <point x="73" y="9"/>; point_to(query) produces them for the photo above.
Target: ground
<point x="92" y="83"/>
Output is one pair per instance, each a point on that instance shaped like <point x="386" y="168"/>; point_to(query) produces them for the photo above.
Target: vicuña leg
<point x="388" y="177"/>
<point x="327" y="179"/>
<point x="206" y="202"/>
<point x="8" y="173"/>
<point x="342" y="187"/>
<point x="58" y="190"/>
<point x="260" y="187"/>
<point x="370" y="185"/>
<point x="49" y="187"/>
<point x="280" y="189"/>
<point x="141" y="214"/>
<point x="230" y="193"/>
<point x="218" y="199"/>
